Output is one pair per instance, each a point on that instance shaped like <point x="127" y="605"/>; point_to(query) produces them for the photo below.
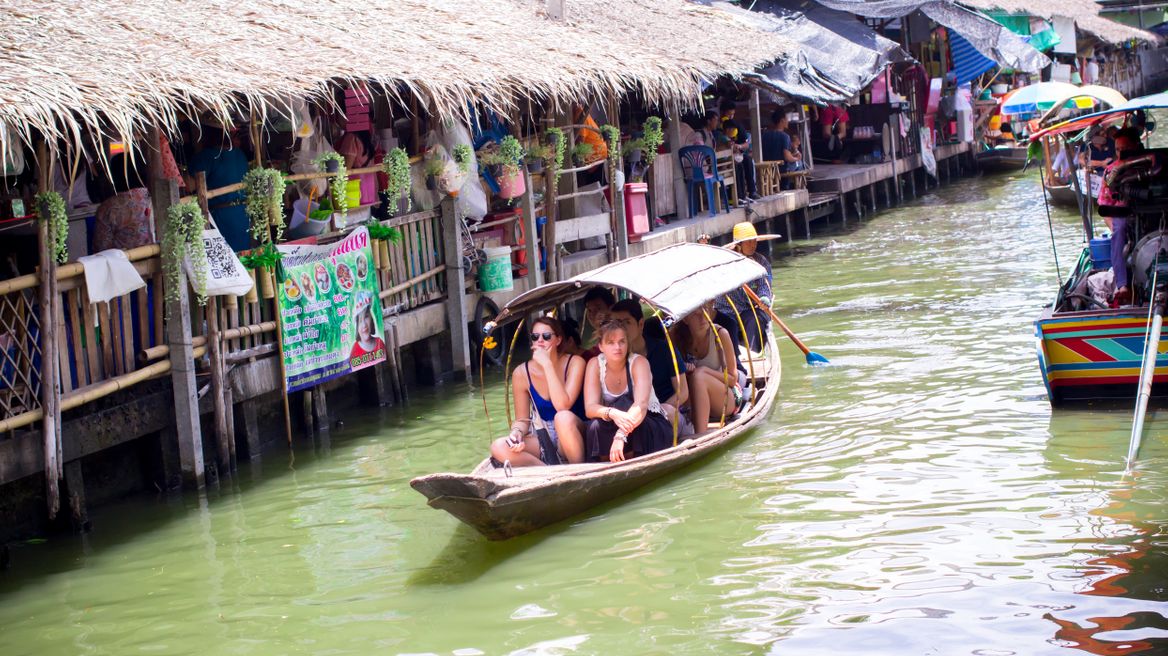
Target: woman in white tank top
<point x="714" y="374"/>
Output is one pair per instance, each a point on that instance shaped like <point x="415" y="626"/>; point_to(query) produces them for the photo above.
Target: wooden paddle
<point x="813" y="358"/>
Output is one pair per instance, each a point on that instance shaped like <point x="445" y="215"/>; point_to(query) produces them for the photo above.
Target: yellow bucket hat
<point x="745" y="231"/>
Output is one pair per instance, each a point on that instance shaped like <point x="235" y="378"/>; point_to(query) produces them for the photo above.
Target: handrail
<point x="28" y="281"/>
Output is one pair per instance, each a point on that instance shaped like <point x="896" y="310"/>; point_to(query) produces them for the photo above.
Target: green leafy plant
<point x="397" y="169"/>
<point x="541" y="151"/>
<point x="560" y="144"/>
<point x="50" y="208"/>
<point x="611" y="134"/>
<point x="379" y="230"/>
<point x="433" y="167"/>
<point x="582" y="151"/>
<point x="508" y="154"/>
<point x="336" y="183"/>
<point x="263" y="257"/>
<point x="652" y="139"/>
<point x="264" y="189"/>
<point x="184" y="238"/>
<point x="462" y="154"/>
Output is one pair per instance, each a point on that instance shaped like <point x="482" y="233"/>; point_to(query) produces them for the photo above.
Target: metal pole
<point x="1147" y="372"/>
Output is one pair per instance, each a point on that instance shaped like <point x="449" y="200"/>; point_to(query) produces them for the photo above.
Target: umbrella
<point x="1086" y="97"/>
<point x="1036" y="97"/>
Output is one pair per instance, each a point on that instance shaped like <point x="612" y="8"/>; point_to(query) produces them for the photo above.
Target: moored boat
<point x="505" y="502"/>
<point x="1002" y="158"/>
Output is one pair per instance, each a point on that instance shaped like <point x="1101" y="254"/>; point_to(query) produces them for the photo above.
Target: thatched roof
<point x="121" y="66"/>
<point x="1085" y="13"/>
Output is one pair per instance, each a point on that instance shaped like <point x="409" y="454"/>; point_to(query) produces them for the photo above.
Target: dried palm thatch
<point x="77" y="71"/>
<point x="1084" y="12"/>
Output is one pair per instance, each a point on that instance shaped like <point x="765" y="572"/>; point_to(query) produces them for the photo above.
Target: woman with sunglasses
<point x="547" y="386"/>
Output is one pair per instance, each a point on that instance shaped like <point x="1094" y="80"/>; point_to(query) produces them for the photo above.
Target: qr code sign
<point x="221" y="261"/>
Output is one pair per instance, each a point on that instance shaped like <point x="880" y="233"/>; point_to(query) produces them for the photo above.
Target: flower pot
<point x="331" y="166"/>
<point x="511" y="183"/>
<point x="634" y="156"/>
<point x="431" y="183"/>
<point x="535" y="165"/>
<point x="267" y="283"/>
<point x="377" y="253"/>
<point x="252" y="295"/>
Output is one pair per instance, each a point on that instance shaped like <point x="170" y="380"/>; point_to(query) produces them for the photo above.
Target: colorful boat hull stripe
<point x="1095" y="351"/>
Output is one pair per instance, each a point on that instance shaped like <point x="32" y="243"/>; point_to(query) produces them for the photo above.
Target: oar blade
<point x="816" y="360"/>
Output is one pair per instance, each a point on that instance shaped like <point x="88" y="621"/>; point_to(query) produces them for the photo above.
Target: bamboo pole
<point x="50" y="363"/>
<point x="71" y="270"/>
<point x="218" y="389"/>
<point x="386" y="293"/>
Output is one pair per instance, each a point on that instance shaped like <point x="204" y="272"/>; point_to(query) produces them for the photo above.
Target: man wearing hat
<point x="746" y="240"/>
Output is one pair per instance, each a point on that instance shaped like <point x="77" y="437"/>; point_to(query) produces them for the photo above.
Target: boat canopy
<point x="1085" y="97"/>
<point x="1115" y="114"/>
<point x="676" y="280"/>
<point x="1036" y="97"/>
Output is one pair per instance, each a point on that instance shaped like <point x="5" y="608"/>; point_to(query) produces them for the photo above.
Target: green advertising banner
<point x="330" y="310"/>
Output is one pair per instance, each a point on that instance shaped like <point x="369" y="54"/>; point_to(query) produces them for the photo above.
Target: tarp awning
<point x="1007" y="49"/>
<point x="839" y="55"/>
<point x="677" y="280"/>
<point x="968" y="63"/>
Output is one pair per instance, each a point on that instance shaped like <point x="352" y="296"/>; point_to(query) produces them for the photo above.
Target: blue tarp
<point x="968" y="63"/>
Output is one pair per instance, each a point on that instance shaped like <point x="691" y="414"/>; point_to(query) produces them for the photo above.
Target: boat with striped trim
<point x="1096" y="354"/>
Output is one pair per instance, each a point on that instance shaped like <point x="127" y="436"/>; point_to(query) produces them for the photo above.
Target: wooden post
<point x="808" y="160"/>
<point x="551" y="210"/>
<point x="218" y="393"/>
<point x="619" y="224"/>
<point x="163" y="194"/>
<point x="755" y="125"/>
<point x="680" y="197"/>
<point x="50" y="363"/>
<point x="531" y="232"/>
<point x="455" y="289"/>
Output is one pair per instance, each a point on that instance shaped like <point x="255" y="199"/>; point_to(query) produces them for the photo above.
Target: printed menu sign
<point x="330" y="310"/>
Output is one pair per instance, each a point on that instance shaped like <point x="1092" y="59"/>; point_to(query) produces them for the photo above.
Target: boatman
<point x="1114" y="210"/>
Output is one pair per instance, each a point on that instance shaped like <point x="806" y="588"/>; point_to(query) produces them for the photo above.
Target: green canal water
<point x="916" y="497"/>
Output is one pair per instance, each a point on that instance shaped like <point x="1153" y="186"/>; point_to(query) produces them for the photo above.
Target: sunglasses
<point x="547" y="337"/>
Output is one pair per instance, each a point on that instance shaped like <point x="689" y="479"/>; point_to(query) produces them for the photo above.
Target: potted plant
<point x="50" y="208"/>
<point x="261" y="263"/>
<point x="333" y="163"/>
<point x="611" y="133"/>
<point x="432" y="168"/>
<point x="506" y="158"/>
<point x="462" y="154"/>
<point x="559" y="145"/>
<point x="397" y="168"/>
<point x="264" y="192"/>
<point x="581" y="153"/>
<point x="537" y="155"/>
<point x="184" y="238"/>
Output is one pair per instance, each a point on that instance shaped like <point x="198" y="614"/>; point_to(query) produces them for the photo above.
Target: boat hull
<point x="1063" y="196"/>
<point x="502" y="506"/>
<point x="1002" y="159"/>
<point x="1086" y="356"/>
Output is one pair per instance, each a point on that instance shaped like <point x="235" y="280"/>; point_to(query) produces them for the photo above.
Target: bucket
<point x="1101" y="253"/>
<point x="511" y="184"/>
<point x="301" y="226"/>
<point x="495" y="273"/>
<point x="353" y="193"/>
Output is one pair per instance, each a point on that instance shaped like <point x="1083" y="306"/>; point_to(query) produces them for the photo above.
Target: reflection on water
<point x="917" y="497"/>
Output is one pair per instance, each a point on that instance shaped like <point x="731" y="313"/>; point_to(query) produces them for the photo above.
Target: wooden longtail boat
<point x="1002" y="158"/>
<point x="505" y="502"/>
<point x="1087" y="351"/>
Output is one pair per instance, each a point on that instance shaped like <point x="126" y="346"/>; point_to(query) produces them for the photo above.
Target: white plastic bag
<point x="472" y="201"/>
<point x="13" y="153"/>
<point x="310" y="148"/>
<point x="225" y="273"/>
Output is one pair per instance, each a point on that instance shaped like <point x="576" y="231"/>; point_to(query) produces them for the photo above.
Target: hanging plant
<point x="264" y="189"/>
<point x="184" y="238"/>
<point x="652" y="139"/>
<point x="560" y="145"/>
<point x="508" y="154"/>
<point x="324" y="162"/>
<point x="262" y="257"/>
<point x="462" y="154"/>
<point x="50" y="208"/>
<point x="378" y="230"/>
<point x="582" y="152"/>
<point x="612" y="135"/>
<point x="397" y="168"/>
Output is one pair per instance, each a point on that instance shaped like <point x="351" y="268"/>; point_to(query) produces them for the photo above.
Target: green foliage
<point x="582" y="151"/>
<point x="264" y="189"/>
<point x="612" y="135"/>
<point x="50" y="208"/>
<point x="397" y="168"/>
<point x="263" y="257"/>
<point x="652" y="139"/>
<point x="336" y="183"/>
<point x="184" y="238"/>
<point x="462" y="154"/>
<point x="556" y="138"/>
<point x="433" y="166"/>
<point x="508" y="155"/>
<point x="380" y="231"/>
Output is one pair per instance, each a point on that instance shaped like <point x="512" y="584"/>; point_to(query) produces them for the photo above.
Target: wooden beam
<point x="680" y="197"/>
<point x="50" y="364"/>
<point x="455" y="288"/>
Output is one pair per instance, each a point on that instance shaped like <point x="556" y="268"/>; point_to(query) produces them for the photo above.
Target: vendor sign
<point x="330" y="310"/>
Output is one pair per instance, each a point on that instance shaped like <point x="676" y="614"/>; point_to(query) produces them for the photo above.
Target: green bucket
<point x="495" y="273"/>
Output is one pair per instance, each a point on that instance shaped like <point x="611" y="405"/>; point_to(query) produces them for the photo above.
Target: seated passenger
<point x="713" y="377"/>
<point x="547" y="394"/>
<point x="571" y="343"/>
<point x="596" y="304"/>
<point x="667" y="384"/>
<point x="627" y="419"/>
